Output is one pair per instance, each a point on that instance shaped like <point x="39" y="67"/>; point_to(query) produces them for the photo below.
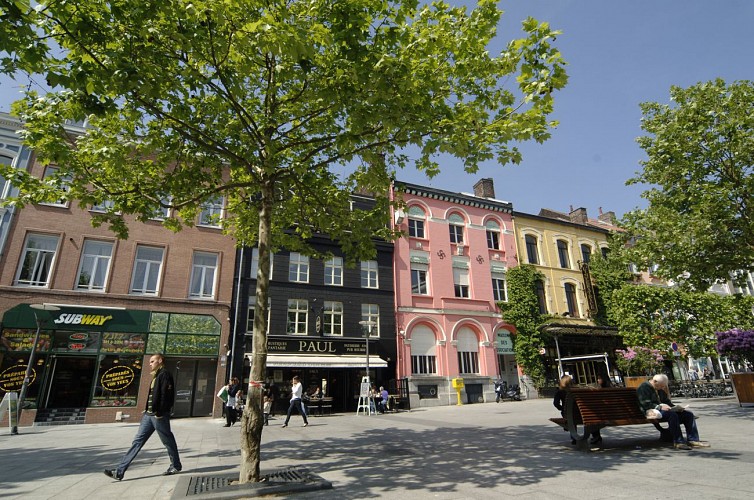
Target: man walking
<point x="296" y="391"/>
<point x="156" y="418"/>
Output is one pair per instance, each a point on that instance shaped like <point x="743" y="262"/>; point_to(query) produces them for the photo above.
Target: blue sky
<point x="620" y="53"/>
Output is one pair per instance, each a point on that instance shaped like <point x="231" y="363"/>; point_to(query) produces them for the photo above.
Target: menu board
<point x="76" y="341"/>
<point x="22" y="340"/>
<point x="123" y="343"/>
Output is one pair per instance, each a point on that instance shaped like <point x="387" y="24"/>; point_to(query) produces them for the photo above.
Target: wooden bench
<point x="598" y="408"/>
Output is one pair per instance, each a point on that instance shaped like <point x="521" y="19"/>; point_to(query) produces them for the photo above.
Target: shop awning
<point x="336" y="361"/>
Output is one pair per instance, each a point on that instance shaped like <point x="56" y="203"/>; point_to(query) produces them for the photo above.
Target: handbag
<point x="223" y="394"/>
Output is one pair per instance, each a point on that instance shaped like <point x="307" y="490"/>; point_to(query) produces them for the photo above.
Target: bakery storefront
<point x="95" y="358"/>
<point x="335" y="366"/>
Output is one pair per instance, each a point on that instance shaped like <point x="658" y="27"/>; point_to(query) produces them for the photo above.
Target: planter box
<point x="635" y="382"/>
<point x="743" y="383"/>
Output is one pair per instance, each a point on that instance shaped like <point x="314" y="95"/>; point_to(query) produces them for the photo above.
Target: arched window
<point x="423" y="357"/>
<point x="468" y="351"/>
<point x="456" y="225"/>
<point x="570" y="293"/>
<point x="531" y="249"/>
<point x="493" y="235"/>
<point x="416" y="217"/>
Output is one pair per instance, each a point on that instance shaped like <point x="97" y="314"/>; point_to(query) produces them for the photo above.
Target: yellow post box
<point x="457" y="384"/>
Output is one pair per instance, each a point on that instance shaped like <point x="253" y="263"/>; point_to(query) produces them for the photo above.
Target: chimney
<point x="578" y="216"/>
<point x="607" y="217"/>
<point x="484" y="188"/>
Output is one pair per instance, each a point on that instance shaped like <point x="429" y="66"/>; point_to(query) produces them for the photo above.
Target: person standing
<point x="156" y="417"/>
<point x="296" y="391"/>
<point x="230" y="404"/>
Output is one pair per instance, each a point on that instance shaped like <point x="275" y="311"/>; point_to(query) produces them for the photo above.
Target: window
<point x="531" y="249"/>
<point x="36" y="262"/>
<point x="95" y="265"/>
<point x="456" y="228"/>
<point x="605" y="251"/>
<point x="570" y="293"/>
<point x="461" y="282"/>
<point x="369" y="274"/>
<point x="371" y="312"/>
<point x="586" y="253"/>
<point x="416" y="218"/>
<point x="147" y="269"/>
<point x="161" y="212"/>
<point x="541" y="300"/>
<point x="565" y="262"/>
<point x="419" y="279"/>
<point x="212" y="211"/>
<point x="423" y="359"/>
<point x="4" y="184"/>
<point x="255" y="263"/>
<point x="250" y="316"/>
<point x="203" y="275"/>
<point x="103" y="206"/>
<point x="493" y="235"/>
<point x="468" y="351"/>
<point x="499" y="287"/>
<point x="61" y="183"/>
<point x="298" y="311"/>
<point x="334" y="271"/>
<point x="333" y="320"/>
<point x="298" y="268"/>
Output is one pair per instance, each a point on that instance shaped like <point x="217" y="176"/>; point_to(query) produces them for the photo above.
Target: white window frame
<point x="370" y="274"/>
<point x="334" y="271"/>
<point x="50" y="172"/>
<point x="332" y="319"/>
<point x="371" y="312"/>
<point x="497" y="289"/>
<point x="299" y="309"/>
<point x="202" y="275"/>
<point x="468" y="352"/>
<point x="103" y="207"/>
<point x="211" y="214"/>
<point x="416" y="218"/>
<point x="44" y="260"/>
<point x="298" y="268"/>
<point x="162" y="212"/>
<point x="92" y="262"/>
<point x="461" y="283"/>
<point x="419" y="279"/>
<point x="456" y="226"/>
<point x="150" y="267"/>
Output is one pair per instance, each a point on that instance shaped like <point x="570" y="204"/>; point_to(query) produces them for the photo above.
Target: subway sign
<point x="82" y="319"/>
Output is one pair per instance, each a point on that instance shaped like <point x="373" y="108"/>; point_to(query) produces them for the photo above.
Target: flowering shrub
<point x="737" y="344"/>
<point x="639" y="360"/>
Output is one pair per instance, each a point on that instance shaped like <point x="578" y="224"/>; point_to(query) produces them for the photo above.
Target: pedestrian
<point x="230" y="403"/>
<point x="296" y="391"/>
<point x="156" y="417"/>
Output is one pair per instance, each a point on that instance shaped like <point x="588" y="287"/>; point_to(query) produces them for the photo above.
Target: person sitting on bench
<point x="654" y="394"/>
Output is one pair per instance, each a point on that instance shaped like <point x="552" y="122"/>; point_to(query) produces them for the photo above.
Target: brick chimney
<point x="484" y="188"/>
<point x="606" y="217"/>
<point x="578" y="216"/>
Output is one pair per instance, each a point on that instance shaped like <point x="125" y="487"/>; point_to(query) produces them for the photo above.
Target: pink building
<point x="450" y="270"/>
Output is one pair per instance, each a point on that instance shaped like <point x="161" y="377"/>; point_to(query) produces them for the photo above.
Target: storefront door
<point x="70" y="381"/>
<point x="194" y="386"/>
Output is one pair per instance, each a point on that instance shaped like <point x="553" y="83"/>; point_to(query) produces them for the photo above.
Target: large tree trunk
<point x="252" y="420"/>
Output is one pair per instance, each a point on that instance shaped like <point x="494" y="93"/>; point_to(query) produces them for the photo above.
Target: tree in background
<point x="267" y="104"/>
<point x="522" y="311"/>
<point x="699" y="225"/>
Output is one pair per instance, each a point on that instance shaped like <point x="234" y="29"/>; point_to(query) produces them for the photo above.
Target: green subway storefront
<point x="96" y="358"/>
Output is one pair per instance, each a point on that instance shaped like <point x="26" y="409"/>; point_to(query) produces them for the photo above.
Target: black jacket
<point x="163" y="394"/>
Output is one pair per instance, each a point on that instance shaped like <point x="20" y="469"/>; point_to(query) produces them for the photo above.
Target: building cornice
<point x="456" y="198"/>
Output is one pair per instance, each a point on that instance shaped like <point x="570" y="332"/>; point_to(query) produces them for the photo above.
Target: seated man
<point x="654" y="394"/>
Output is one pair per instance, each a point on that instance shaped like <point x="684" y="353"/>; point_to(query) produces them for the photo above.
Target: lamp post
<point x="369" y="324"/>
<point x="30" y="364"/>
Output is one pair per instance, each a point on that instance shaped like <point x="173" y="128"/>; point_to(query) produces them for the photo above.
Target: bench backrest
<point x="606" y="405"/>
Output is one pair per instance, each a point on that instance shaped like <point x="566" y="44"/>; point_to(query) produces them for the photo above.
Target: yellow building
<point x="559" y="245"/>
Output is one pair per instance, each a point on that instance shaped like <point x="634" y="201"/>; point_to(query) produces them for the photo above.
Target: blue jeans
<point x="150" y="424"/>
<point x="295" y="403"/>
<point x="675" y="419"/>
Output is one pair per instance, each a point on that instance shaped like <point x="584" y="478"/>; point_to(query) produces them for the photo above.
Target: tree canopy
<point x="699" y="225"/>
<point x="266" y="103"/>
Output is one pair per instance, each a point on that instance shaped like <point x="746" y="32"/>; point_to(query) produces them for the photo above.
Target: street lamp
<point x="30" y="364"/>
<point x="369" y="324"/>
